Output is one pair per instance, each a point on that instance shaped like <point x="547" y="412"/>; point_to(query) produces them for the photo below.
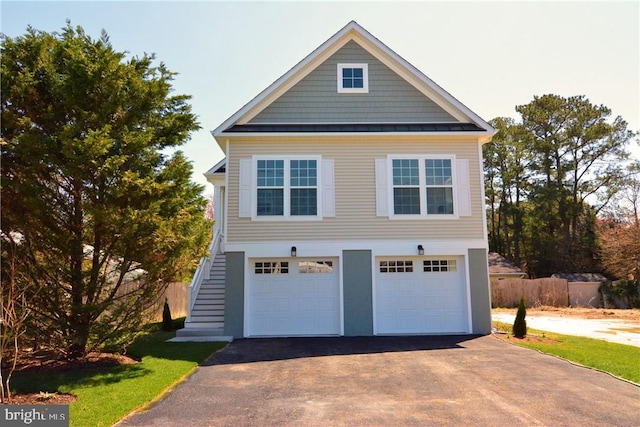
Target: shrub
<point x="520" y="324"/>
<point x="167" y="322"/>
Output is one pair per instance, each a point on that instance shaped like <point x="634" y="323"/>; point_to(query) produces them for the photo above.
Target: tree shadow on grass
<point x="146" y="348"/>
<point x="30" y="382"/>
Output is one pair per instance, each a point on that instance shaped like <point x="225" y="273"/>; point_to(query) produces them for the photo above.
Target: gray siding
<point x="355" y="195"/>
<point x="357" y="291"/>
<point x="234" y="295"/>
<point x="480" y="293"/>
<point x="315" y="98"/>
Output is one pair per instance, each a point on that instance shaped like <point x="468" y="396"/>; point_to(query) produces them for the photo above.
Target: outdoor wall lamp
<point x="420" y="250"/>
<point x="294" y="251"/>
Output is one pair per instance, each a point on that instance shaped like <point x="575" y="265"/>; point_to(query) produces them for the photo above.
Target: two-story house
<point x="350" y="202"/>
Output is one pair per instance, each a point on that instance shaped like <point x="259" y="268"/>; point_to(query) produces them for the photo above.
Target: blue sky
<point x="491" y="56"/>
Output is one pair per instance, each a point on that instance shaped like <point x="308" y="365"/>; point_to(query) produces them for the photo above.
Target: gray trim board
<point x="357" y="292"/>
<point x="480" y="292"/>
<point x="234" y="295"/>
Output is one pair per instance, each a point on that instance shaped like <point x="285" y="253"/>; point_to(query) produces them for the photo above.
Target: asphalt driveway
<point x="392" y="381"/>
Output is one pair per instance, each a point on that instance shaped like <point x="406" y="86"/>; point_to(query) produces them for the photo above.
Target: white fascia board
<point x="480" y="134"/>
<point x="214" y="177"/>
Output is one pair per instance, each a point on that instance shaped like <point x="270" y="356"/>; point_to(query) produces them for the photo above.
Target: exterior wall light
<point x="294" y="251"/>
<point x="420" y="250"/>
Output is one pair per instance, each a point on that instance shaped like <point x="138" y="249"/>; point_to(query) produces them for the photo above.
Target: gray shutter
<point x="328" y="189"/>
<point x="382" y="188"/>
<point x="244" y="197"/>
<point x="464" y="187"/>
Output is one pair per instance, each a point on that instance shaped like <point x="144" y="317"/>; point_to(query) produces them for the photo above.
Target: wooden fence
<point x="176" y="295"/>
<point x="536" y="292"/>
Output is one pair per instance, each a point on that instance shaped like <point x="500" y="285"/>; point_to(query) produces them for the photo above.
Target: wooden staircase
<point x="206" y="319"/>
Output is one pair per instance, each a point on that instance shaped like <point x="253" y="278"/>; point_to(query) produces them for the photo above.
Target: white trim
<point x="367" y="134"/>
<point x="483" y="199"/>
<point x="226" y="202"/>
<point x="353" y="31"/>
<point x="365" y="78"/>
<point x="319" y="248"/>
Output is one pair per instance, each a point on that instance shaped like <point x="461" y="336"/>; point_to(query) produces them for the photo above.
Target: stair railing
<point x="202" y="272"/>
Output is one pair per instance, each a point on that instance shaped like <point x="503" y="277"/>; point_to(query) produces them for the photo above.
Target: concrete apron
<point x="613" y="330"/>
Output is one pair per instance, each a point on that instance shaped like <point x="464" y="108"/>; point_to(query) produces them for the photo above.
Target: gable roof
<point x="354" y="32"/>
<point x="499" y="265"/>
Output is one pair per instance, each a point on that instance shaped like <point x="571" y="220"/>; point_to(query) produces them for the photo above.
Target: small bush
<point x="167" y="322"/>
<point x="520" y="324"/>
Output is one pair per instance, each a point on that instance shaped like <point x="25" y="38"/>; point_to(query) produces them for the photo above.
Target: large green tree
<point x="548" y="177"/>
<point x="103" y="213"/>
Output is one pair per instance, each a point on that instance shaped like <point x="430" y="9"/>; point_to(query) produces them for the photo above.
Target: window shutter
<point x="464" y="187"/>
<point x="382" y="188"/>
<point x="245" y="179"/>
<point x="328" y="189"/>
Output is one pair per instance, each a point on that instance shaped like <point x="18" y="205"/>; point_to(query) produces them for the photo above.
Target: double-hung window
<point x="270" y="187"/>
<point x="287" y="187"/>
<point x="422" y="186"/>
<point x="406" y="187"/>
<point x="304" y="187"/>
<point x="439" y="186"/>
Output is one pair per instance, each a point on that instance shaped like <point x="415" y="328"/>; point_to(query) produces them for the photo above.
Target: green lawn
<point x="106" y="395"/>
<point x="618" y="359"/>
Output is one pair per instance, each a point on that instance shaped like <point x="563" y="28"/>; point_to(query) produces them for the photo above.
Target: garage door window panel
<point x="396" y="266"/>
<point x="271" y="267"/>
<point x="315" y="267"/>
<point x="439" y="266"/>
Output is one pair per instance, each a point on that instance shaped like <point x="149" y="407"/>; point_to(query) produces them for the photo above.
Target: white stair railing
<point x="202" y="272"/>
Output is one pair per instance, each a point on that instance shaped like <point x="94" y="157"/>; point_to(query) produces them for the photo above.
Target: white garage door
<point x="421" y="295"/>
<point x="295" y="296"/>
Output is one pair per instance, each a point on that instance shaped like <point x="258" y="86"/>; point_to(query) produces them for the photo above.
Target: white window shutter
<point x="464" y="187"/>
<point x="328" y="189"/>
<point x="244" y="197"/>
<point x="382" y="188"/>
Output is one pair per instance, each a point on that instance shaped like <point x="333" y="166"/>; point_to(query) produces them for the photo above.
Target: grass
<point x="618" y="359"/>
<point x="106" y="395"/>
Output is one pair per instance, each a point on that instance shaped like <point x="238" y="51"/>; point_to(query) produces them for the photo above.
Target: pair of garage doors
<point x="296" y="296"/>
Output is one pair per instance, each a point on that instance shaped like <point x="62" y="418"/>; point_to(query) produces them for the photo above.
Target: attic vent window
<point x="353" y="78"/>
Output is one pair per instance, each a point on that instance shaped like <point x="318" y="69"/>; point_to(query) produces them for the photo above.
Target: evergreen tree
<point x="167" y="321"/>
<point x="520" y="324"/>
<point x="105" y="216"/>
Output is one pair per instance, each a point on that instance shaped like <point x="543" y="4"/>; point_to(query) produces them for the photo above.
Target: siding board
<point x="315" y="98"/>
<point x="355" y="191"/>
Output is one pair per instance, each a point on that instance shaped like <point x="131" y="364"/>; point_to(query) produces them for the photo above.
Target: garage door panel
<point x="294" y="303"/>
<point x="415" y="301"/>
